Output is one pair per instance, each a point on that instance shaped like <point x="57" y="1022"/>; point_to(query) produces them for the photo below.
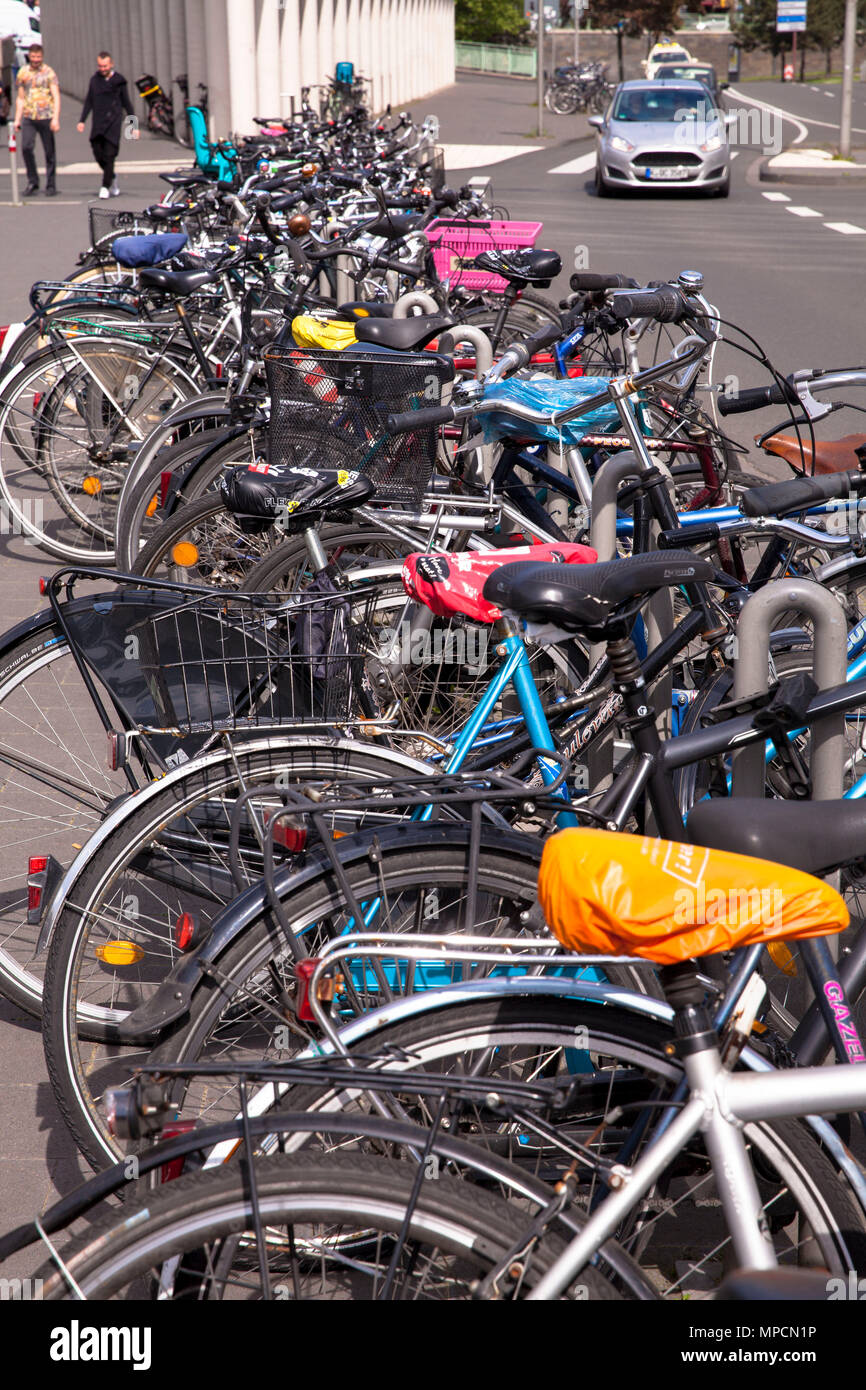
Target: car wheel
<point x="602" y="189"/>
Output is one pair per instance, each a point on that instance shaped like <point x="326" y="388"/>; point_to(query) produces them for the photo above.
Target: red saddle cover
<point x="454" y="583"/>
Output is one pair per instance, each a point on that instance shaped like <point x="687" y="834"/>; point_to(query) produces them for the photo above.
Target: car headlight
<point x="712" y="142"/>
<point x="619" y="143"/>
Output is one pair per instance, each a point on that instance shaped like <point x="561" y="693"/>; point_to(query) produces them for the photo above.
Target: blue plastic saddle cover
<point x="544" y="393"/>
<point x="152" y="249"/>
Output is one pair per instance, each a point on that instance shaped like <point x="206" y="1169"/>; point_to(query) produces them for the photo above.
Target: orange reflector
<point x="184" y="554"/>
<point x="119" y="952"/>
<point x="152" y="505"/>
<point x="781" y="957"/>
<point x="91" y="486"/>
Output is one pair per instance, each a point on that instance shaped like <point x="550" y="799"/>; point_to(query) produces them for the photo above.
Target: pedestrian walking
<point x="37" y="112"/>
<point x="108" y="99"/>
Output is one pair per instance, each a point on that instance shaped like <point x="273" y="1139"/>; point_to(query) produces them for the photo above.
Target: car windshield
<point x="670" y="55"/>
<point x="660" y="104"/>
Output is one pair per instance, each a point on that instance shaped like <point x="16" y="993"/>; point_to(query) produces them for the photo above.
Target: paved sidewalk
<point x="814" y="166"/>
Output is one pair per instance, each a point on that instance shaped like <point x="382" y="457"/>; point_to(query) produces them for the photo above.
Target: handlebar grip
<point x="682" y="537"/>
<point x="584" y="280"/>
<point x="346" y="181"/>
<point x="665" y="304"/>
<point x="419" y="419"/>
<point x="756" y="398"/>
<point x="796" y="494"/>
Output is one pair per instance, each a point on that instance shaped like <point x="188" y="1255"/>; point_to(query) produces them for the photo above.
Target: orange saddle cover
<point x="614" y="894"/>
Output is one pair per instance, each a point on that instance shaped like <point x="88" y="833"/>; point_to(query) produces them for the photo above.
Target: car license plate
<point x="672" y="171"/>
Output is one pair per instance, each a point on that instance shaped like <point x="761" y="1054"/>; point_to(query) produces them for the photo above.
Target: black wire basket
<point x="328" y="410"/>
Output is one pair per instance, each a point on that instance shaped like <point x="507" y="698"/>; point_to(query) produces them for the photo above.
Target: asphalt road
<point x="782" y="263"/>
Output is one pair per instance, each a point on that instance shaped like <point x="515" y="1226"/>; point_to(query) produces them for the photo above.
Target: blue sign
<point x="791" y="16"/>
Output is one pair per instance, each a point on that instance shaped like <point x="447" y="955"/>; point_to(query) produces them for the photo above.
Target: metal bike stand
<point x="829" y="668"/>
<point x="477" y="339"/>
<point x="415" y="299"/>
<point x="659" y="618"/>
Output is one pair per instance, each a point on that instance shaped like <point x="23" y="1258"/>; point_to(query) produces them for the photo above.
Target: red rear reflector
<point x="304" y="971"/>
<point x="184" y="931"/>
<point x="174" y="1168"/>
<point x="289" y="831"/>
<point x="219" y="371"/>
<point x="37" y="863"/>
<point x="37" y="397"/>
<point x="4" y="329"/>
<point x="164" y="485"/>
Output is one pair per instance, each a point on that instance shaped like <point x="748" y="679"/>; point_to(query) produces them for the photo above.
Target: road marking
<point x="734" y="153"/>
<point x="804" y="212"/>
<point x="776" y="197"/>
<point x="753" y="101"/>
<point x="846" y="228"/>
<point x="472" y="156"/>
<point x="581" y="165"/>
<point x="814" y="89"/>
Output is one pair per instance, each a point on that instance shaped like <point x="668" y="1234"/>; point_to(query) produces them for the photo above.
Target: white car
<point x="665" y="52"/>
<point x="18" y="22"/>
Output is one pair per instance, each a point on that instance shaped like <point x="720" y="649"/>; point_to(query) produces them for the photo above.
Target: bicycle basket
<point x="106" y="226"/>
<point x="328" y="410"/>
<point x="211" y="661"/>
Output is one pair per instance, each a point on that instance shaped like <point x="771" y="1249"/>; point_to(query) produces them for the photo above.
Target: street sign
<point x="790" y="16"/>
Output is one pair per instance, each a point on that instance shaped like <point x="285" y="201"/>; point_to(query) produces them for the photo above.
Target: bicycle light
<point x="329" y="985"/>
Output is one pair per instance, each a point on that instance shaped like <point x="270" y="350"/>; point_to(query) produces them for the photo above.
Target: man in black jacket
<point x="108" y="99"/>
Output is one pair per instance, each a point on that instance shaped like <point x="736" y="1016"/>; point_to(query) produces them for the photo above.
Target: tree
<point x="489" y="21"/>
<point x="653" y="17"/>
<point x="755" y="27"/>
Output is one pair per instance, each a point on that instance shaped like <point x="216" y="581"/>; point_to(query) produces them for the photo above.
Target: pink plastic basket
<point x="456" y="241"/>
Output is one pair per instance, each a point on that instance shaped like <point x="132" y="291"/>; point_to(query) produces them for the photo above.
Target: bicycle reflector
<point x="186" y="931"/>
<point x="288" y="831"/>
<point x="184" y="554"/>
<point x="92" y="486"/>
<point x="43" y="874"/>
<point x="174" y="1168"/>
<point x="119" y="952"/>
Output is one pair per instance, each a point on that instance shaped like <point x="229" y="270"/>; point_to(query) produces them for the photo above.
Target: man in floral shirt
<point x="37" y="109"/>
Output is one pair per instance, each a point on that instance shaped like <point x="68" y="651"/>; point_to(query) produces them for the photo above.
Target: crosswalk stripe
<point x="581" y="165"/>
<point x="803" y="212"/>
<point x="846" y="228"/>
<point x="777" y="197"/>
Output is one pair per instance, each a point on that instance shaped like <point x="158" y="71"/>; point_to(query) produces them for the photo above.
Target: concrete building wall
<point x="254" y="55"/>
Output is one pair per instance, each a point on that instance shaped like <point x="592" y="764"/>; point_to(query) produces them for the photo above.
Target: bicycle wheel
<point x="66" y="430"/>
<point x="334" y="1229"/>
<point x="56" y="786"/>
<point x="618" y="1058"/>
<point x="165" y="857"/>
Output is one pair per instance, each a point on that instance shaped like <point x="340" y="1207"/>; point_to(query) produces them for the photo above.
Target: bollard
<point x="829" y="668"/>
<point x="13" y="166"/>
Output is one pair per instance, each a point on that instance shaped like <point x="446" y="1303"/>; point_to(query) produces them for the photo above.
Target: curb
<point x="834" y="177"/>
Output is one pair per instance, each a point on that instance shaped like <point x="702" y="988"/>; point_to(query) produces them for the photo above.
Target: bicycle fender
<point x="172" y="998"/>
<point x="123" y="808"/>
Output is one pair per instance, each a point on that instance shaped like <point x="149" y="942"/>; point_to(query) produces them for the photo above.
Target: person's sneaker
<point x="104" y="193"/>
<point x="51" y="192"/>
<point x="114" y="190"/>
<point x="31" y="189"/>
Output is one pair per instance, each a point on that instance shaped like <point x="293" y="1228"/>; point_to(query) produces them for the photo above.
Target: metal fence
<point x="494" y="57"/>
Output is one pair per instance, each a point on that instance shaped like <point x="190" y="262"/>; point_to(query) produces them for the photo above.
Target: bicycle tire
<point x="359" y="1199"/>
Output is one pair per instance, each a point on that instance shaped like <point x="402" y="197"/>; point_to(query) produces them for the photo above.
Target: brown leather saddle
<point x="831" y="455"/>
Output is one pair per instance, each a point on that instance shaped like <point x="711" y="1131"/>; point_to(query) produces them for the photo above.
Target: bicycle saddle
<point x="831" y="455"/>
<point x="522" y="267"/>
<point x="584" y="599"/>
<point x="453" y="583"/>
<point x="814" y="836"/>
<point x="394" y="227"/>
<point x="177" y="281"/>
<point x="403" y="335"/>
<point x="602" y="891"/>
<point x="179" y="178"/>
<point x="297" y="495"/>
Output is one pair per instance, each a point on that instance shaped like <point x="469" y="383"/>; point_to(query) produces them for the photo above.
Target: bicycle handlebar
<point x="584" y="280"/>
<point x="420" y="419"/>
<point x="796" y="494"/>
<point x="665" y="305"/>
<point x="756" y="398"/>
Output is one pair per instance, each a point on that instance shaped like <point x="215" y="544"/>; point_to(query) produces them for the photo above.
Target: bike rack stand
<point x="829" y="668"/>
<point x="448" y="343"/>
<point x="659" y="619"/>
